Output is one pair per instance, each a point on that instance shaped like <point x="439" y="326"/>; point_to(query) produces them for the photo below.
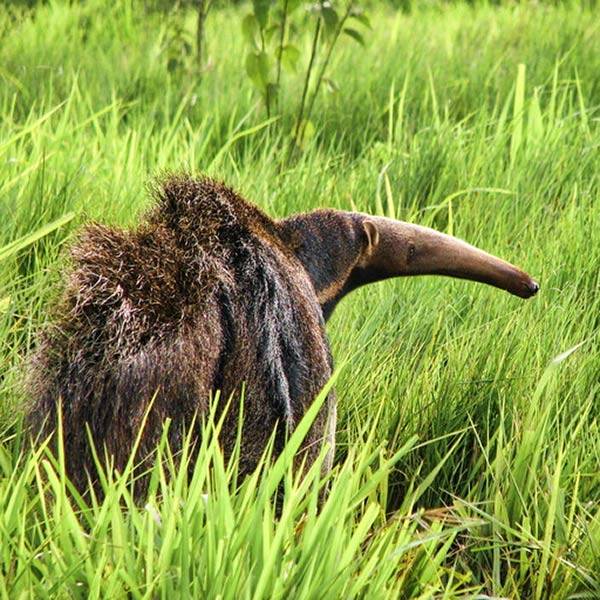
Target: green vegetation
<point x="469" y="455"/>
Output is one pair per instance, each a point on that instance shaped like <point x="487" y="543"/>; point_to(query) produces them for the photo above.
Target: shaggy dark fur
<point x="211" y="294"/>
<point x="204" y="296"/>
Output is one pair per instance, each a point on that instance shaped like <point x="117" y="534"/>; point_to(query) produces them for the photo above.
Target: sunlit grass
<point x="467" y="461"/>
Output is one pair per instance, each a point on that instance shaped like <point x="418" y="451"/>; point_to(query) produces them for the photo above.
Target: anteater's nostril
<point x="533" y="287"/>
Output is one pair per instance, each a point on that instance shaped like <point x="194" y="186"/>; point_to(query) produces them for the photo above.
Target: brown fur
<point x="211" y="294"/>
<point x="204" y="296"/>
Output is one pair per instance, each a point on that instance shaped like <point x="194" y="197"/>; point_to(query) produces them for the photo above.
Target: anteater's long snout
<point x="403" y="249"/>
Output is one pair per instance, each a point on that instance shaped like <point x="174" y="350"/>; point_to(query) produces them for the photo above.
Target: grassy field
<point x="468" y="460"/>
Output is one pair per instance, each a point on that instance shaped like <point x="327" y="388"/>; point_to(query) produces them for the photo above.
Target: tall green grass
<point x="468" y="454"/>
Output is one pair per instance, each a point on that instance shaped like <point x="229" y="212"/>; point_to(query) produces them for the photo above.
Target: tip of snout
<point x="527" y="289"/>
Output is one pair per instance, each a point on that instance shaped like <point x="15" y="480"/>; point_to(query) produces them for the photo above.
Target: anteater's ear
<point x="372" y="236"/>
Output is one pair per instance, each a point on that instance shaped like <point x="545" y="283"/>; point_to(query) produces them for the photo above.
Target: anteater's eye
<point x="411" y="252"/>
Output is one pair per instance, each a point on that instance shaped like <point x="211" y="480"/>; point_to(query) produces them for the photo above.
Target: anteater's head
<point x="344" y="250"/>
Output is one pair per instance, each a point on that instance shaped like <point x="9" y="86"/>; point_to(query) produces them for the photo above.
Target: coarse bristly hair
<point x="204" y="295"/>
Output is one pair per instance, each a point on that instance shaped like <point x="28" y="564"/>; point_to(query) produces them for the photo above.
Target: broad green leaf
<point x="361" y="17"/>
<point x="290" y="56"/>
<point x="354" y="35"/>
<point x="291" y="4"/>
<point x="257" y="67"/>
<point x="272" y="32"/>
<point x="250" y="29"/>
<point x="261" y="11"/>
<point x="330" y="19"/>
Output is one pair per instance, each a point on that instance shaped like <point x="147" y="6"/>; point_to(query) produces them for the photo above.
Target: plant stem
<point x="281" y="40"/>
<point x="263" y="46"/>
<point x="325" y="63"/>
<point x="203" y="6"/>
<point x="309" y="69"/>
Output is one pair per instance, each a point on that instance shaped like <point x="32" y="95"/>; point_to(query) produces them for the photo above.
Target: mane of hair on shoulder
<point x="205" y="209"/>
<point x="146" y="281"/>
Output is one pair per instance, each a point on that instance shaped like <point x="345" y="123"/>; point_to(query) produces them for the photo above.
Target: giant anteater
<point x="207" y="294"/>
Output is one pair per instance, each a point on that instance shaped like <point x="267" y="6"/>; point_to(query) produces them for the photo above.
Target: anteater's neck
<point x="329" y="245"/>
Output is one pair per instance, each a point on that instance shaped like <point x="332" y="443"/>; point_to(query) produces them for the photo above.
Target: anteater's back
<point x="203" y="296"/>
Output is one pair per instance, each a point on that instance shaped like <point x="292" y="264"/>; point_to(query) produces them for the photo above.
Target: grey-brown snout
<point x="529" y="288"/>
<point x="405" y="249"/>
